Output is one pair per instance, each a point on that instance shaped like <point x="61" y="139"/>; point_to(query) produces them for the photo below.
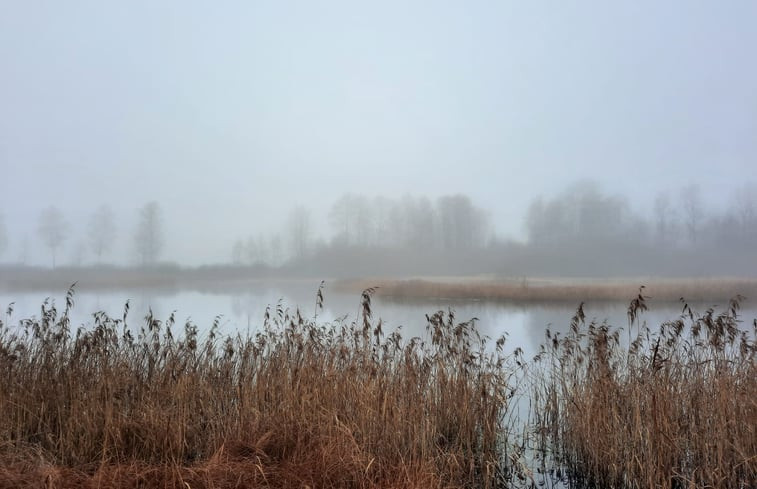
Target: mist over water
<point x="182" y="134"/>
<point x="583" y="231"/>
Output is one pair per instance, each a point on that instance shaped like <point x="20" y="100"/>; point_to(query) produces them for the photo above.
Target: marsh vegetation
<point x="300" y="402"/>
<point x="666" y="406"/>
<point x="296" y="404"/>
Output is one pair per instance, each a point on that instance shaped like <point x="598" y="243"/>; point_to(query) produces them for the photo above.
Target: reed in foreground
<point x="671" y="408"/>
<point x="296" y="404"/>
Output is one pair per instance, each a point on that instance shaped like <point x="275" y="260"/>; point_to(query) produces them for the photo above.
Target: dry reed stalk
<point x="674" y="408"/>
<point x="297" y="403"/>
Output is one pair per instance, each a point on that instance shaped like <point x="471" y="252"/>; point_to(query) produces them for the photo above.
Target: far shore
<point x="538" y="289"/>
<point x="472" y="287"/>
<point x="162" y="276"/>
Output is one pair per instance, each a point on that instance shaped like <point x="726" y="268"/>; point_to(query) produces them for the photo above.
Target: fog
<point x="331" y="138"/>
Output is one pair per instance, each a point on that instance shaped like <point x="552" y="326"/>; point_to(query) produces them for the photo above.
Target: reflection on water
<point x="243" y="311"/>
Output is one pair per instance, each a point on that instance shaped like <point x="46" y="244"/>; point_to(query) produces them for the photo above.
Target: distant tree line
<point x="584" y="214"/>
<point x="581" y="230"/>
<point x="413" y="223"/>
<point x="452" y="222"/>
<point x="54" y="231"/>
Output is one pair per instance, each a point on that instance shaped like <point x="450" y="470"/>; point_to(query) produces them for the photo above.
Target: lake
<point x="242" y="309"/>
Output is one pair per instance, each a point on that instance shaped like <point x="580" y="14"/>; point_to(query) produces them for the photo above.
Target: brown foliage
<point x="297" y="404"/>
<point x="676" y="407"/>
<point x="545" y="290"/>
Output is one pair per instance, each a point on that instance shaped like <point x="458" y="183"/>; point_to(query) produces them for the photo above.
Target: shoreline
<point x="542" y="290"/>
<point x="518" y="289"/>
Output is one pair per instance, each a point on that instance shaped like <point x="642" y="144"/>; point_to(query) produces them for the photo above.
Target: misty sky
<point x="230" y="113"/>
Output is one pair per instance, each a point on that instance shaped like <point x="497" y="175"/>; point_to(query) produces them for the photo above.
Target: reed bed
<point x="296" y="404"/>
<point x="673" y="407"/>
<point x="303" y="403"/>
<point x="545" y="290"/>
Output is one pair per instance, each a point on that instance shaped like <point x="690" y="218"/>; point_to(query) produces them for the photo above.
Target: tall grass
<point x="673" y="407"/>
<point x="296" y="404"/>
<point x="344" y="404"/>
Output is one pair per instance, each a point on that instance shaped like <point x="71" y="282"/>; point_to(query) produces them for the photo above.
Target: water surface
<point x="242" y="310"/>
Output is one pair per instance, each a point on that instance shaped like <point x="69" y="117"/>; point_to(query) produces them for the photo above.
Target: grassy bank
<point x="300" y="403"/>
<point x="546" y="290"/>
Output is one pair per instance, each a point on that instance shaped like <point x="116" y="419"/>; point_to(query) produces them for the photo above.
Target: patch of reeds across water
<point x="669" y="407"/>
<point x="570" y="291"/>
<point x="296" y="404"/>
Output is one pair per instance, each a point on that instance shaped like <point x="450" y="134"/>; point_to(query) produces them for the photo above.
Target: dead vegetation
<point x="346" y="405"/>
<point x="672" y="407"/>
<point x="545" y="290"/>
<point x="296" y="404"/>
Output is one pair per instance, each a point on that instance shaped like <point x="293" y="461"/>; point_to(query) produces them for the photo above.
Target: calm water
<point x="240" y="310"/>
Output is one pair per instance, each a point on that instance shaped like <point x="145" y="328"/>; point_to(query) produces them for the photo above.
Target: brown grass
<point x="672" y="408"/>
<point x="535" y="290"/>
<point x="298" y="404"/>
<point x="343" y="405"/>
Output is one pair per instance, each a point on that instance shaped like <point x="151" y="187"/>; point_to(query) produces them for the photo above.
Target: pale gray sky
<point x="229" y="113"/>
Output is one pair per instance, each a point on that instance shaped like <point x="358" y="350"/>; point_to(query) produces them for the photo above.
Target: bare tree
<point x="53" y="229"/>
<point x="745" y="208"/>
<point x="462" y="224"/>
<point x="299" y="230"/>
<point x="582" y="213"/>
<point x="78" y="253"/>
<point x="3" y="235"/>
<point x="148" y="239"/>
<point x="535" y="220"/>
<point x="382" y="217"/>
<point x="101" y="231"/>
<point x="420" y="220"/>
<point x="276" y="250"/>
<point x="23" y="255"/>
<point x="663" y="211"/>
<point x="256" y="250"/>
<point x="364" y="221"/>
<point x="691" y="204"/>
<point x="237" y="252"/>
<point x="264" y="254"/>
<point x="341" y="217"/>
<point x="352" y="218"/>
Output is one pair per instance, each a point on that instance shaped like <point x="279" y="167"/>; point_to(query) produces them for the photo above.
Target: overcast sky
<point x="229" y="113"/>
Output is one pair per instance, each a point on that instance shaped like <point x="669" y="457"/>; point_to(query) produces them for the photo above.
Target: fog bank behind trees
<point x="581" y="231"/>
